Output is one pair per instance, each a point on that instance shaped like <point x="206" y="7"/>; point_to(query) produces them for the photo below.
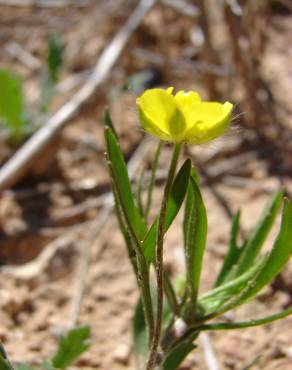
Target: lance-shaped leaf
<point x="130" y="214"/>
<point x="195" y="234"/>
<point x="254" y="244"/>
<point x="233" y="251"/>
<point x="177" y="195"/>
<point x="121" y="182"/>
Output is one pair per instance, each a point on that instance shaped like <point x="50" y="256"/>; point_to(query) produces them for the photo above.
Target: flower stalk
<point x="159" y="258"/>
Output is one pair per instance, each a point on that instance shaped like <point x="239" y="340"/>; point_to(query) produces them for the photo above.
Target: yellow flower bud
<point x="183" y="117"/>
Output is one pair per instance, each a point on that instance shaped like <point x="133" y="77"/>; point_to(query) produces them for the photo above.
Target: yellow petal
<point x="151" y="127"/>
<point x="159" y="114"/>
<point x="186" y="98"/>
<point x="185" y="102"/>
<point x="206" y="121"/>
<point x="157" y="106"/>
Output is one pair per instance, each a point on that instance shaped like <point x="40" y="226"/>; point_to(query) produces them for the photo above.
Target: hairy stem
<point x="159" y="259"/>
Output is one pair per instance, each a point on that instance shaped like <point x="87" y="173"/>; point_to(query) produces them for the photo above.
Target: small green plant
<point x="168" y="321"/>
<point x="71" y="346"/>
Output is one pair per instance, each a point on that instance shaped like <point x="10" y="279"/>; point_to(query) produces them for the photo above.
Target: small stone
<point x="122" y="354"/>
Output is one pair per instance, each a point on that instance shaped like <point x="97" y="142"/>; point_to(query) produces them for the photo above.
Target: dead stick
<point x="25" y="157"/>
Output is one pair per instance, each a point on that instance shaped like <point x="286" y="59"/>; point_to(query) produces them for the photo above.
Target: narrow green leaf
<point x="122" y="183"/>
<point x="233" y="251"/>
<point x="216" y="298"/>
<point x="195" y="230"/>
<point x="177" y="195"/>
<point x="177" y="355"/>
<point x="133" y="222"/>
<point x="71" y="346"/>
<point x="279" y="256"/>
<point x="259" y="235"/>
<point x="246" y="324"/>
<point x="108" y="123"/>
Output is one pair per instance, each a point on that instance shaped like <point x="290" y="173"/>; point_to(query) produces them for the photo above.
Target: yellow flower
<point x="183" y="117"/>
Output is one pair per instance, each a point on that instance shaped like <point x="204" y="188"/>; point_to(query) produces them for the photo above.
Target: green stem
<point x="152" y="179"/>
<point x="152" y="360"/>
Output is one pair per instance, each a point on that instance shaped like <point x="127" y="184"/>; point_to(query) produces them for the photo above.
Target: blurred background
<point x="62" y="260"/>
